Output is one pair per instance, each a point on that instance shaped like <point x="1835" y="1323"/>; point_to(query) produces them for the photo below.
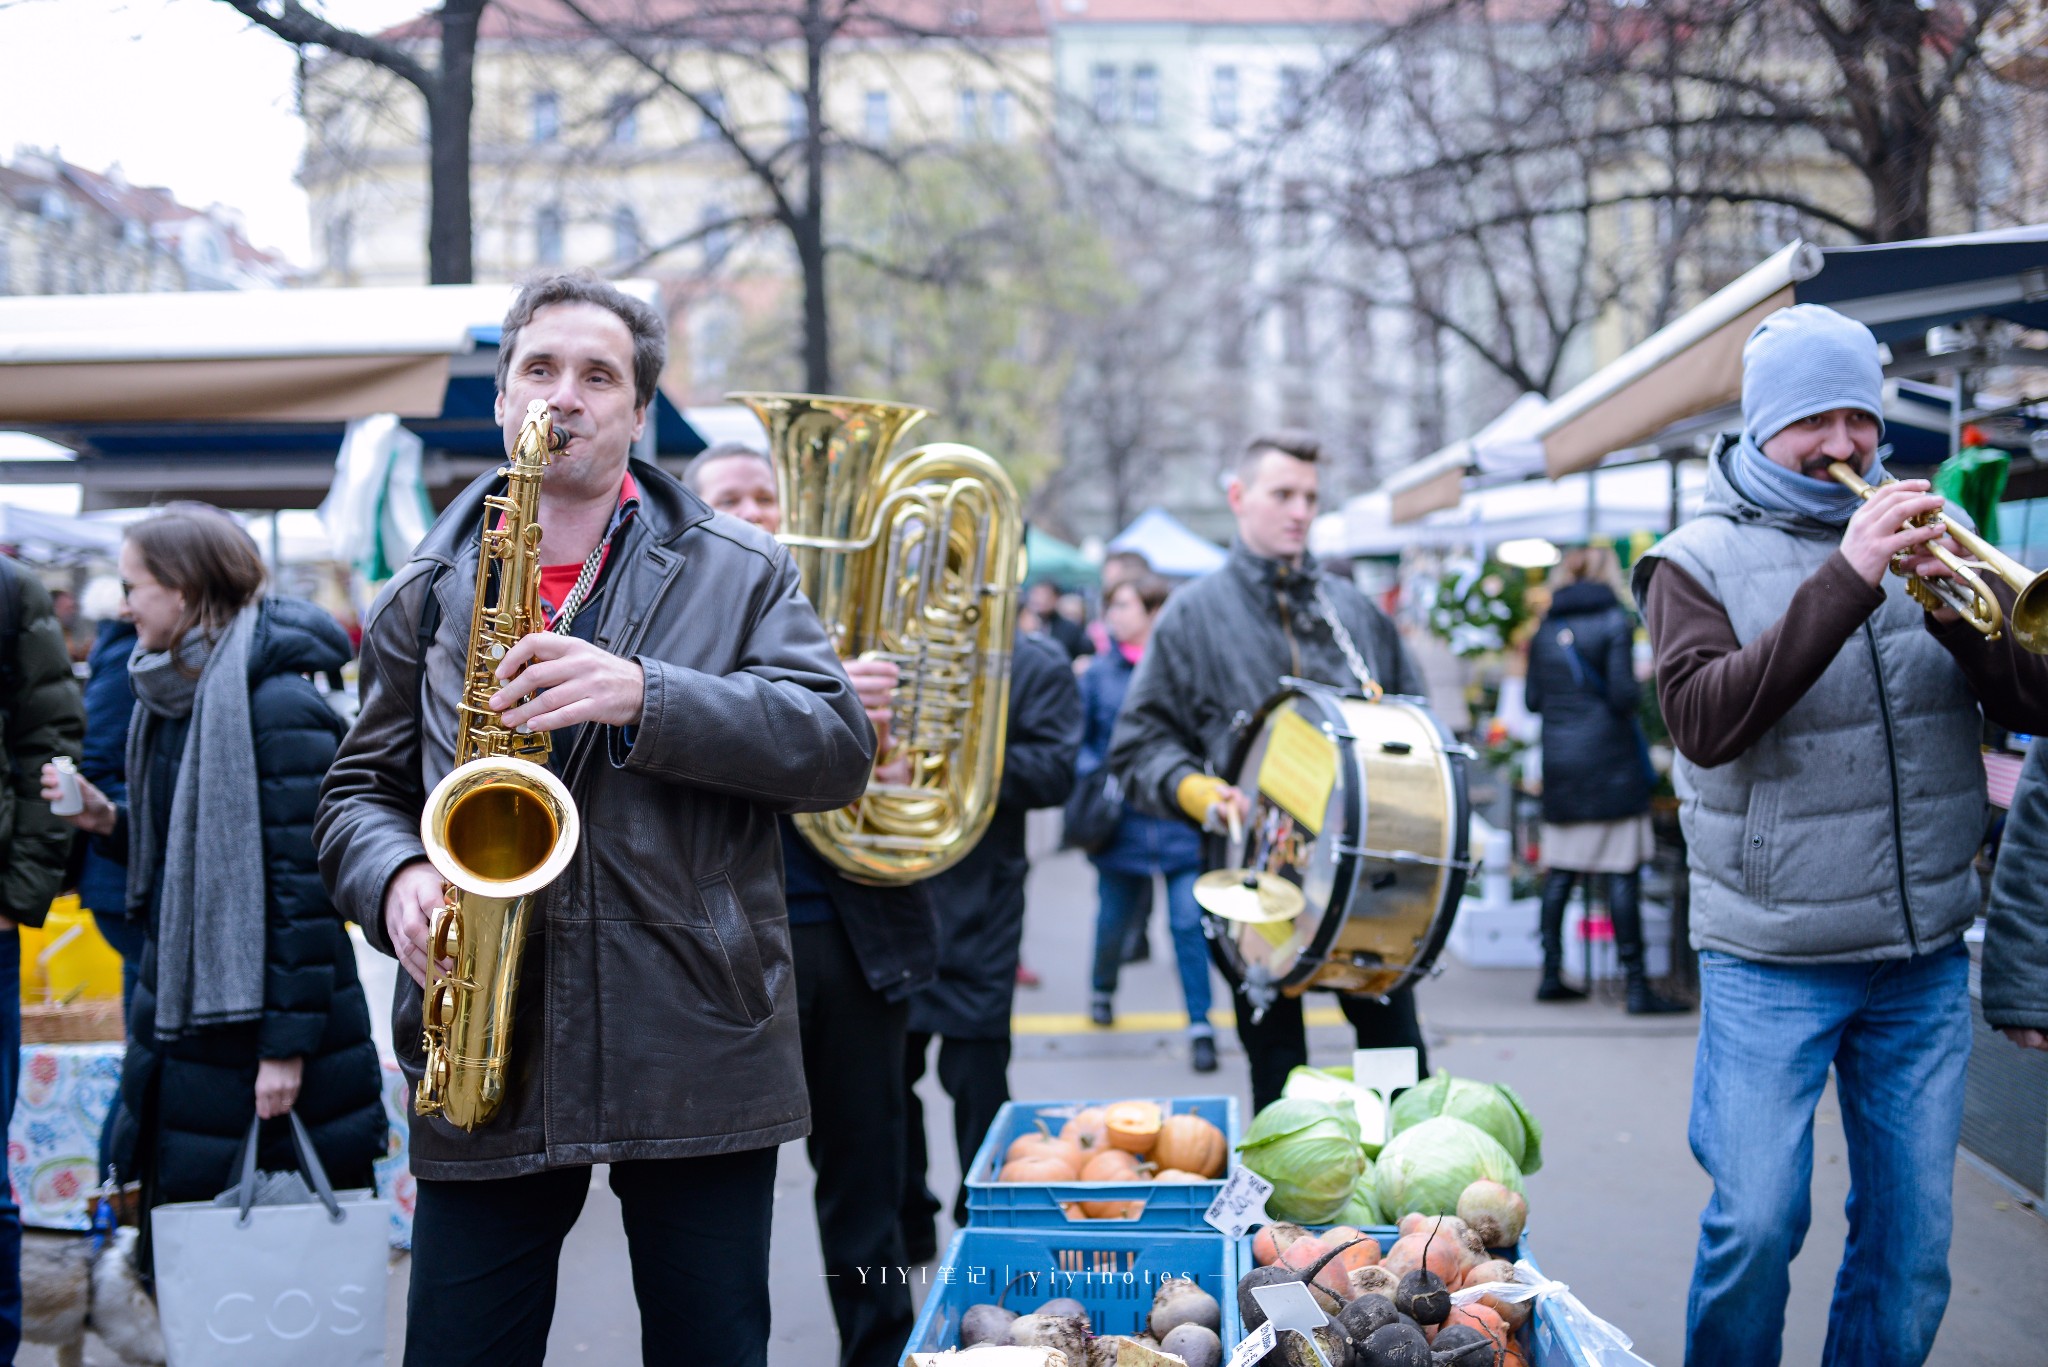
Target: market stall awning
<point x="1692" y="366"/>
<point x="242" y="397"/>
<point x="1168" y="546"/>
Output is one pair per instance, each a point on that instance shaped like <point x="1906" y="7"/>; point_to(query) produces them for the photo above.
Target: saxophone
<point x="501" y="826"/>
<point x="913" y="557"/>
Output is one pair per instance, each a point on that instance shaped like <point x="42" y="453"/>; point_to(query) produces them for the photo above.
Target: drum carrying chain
<point x="1366" y="683"/>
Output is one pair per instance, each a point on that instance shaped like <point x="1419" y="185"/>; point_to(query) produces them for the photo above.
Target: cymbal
<point x="1244" y="895"/>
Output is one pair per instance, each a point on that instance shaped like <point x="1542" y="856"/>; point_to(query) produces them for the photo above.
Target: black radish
<point x="1366" y="1314"/>
<point x="1394" y="1345"/>
<point x="1423" y="1297"/>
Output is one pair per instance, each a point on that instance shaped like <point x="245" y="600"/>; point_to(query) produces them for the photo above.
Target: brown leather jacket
<point x="657" y="1007"/>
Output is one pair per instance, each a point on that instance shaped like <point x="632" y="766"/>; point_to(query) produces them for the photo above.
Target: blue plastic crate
<point x="1112" y="1274"/>
<point x="1039" y="1205"/>
<point x="1549" y="1341"/>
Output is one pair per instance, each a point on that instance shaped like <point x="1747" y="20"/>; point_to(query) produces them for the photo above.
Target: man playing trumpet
<point x="1828" y="732"/>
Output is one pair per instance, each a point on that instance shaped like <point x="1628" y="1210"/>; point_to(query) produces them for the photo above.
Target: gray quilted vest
<point x="1847" y="832"/>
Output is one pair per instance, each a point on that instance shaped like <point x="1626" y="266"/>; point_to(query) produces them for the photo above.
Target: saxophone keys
<point x="438" y="1011"/>
<point x="446" y="940"/>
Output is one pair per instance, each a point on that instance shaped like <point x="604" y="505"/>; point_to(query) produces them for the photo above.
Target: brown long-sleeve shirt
<point x="1719" y="696"/>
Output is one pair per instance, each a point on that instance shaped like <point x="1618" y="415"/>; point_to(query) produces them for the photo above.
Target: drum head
<point x="1362" y="806"/>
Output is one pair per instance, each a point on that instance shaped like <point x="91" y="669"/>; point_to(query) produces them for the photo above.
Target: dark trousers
<point x="1624" y="907"/>
<point x="127" y="936"/>
<point x="10" y="1077"/>
<point x="1278" y="1043"/>
<point x="485" y="1256"/>
<point x="976" y="1075"/>
<point x="853" y="1061"/>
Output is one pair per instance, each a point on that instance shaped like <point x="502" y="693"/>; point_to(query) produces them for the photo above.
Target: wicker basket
<point x="80" y="1022"/>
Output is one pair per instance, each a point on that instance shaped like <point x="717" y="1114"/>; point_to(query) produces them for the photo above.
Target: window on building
<point x="547" y="235"/>
<point x="1293" y="93"/>
<point x="1145" y="96"/>
<point x="6" y="267"/>
<point x="799" y="116"/>
<point x="1105" y="95"/>
<point x="1223" y="97"/>
<point x="625" y="234"/>
<point x="547" y="116"/>
<point x="341" y="234"/>
<point x="1000" y="115"/>
<point x="970" y="114"/>
<point x="1294" y="213"/>
<point x="717" y="235"/>
<point x="712" y="105"/>
<point x="1294" y="328"/>
<point x="1228" y="201"/>
<point x="876" y="116"/>
<point x="623" y="120"/>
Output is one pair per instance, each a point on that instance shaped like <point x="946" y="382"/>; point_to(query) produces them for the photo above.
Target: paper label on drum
<point x="1299" y="770"/>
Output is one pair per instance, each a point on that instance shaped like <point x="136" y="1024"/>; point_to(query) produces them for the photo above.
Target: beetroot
<point x="1495" y="1214"/>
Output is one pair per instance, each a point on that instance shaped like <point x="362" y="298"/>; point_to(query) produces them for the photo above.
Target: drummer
<point x="1221" y="647"/>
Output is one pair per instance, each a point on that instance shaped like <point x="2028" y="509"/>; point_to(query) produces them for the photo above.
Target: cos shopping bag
<point x="274" y="1274"/>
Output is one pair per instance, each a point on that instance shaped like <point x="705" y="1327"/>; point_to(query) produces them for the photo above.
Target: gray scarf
<point x="210" y="928"/>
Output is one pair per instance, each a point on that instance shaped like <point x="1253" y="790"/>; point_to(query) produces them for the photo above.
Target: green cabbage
<point x="1335" y="1085"/>
<point x="1427" y="1167"/>
<point x="1361" y="1208"/>
<point x="1309" y="1151"/>
<point x="1494" y="1109"/>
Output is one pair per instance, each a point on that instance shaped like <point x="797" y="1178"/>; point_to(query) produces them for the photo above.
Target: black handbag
<point x="1093" y="812"/>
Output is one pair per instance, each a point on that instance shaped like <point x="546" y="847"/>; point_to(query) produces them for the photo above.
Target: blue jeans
<point x="1116" y="895"/>
<point x="1898" y="1035"/>
<point x="10" y="1077"/>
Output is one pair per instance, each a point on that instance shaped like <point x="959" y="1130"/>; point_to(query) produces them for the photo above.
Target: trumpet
<point x="1968" y="594"/>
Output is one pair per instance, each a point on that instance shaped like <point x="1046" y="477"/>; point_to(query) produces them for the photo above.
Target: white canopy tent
<point x="1612" y="503"/>
<point x="1168" y="546"/>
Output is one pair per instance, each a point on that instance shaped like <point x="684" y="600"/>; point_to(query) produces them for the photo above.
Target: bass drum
<point x="1362" y="806"/>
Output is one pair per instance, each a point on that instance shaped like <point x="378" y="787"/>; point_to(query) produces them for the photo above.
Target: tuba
<point x="501" y="826"/>
<point x="913" y="557"/>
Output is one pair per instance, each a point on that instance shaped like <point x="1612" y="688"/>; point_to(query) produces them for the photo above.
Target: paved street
<point x="1613" y="1210"/>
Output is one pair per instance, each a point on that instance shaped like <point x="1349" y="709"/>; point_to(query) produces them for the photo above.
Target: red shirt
<point x="557" y="580"/>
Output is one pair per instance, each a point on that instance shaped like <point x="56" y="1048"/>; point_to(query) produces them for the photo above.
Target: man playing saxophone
<point x="1827" y="729"/>
<point x="690" y="695"/>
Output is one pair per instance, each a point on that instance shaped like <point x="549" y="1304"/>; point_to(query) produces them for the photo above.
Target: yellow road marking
<point x="1142" y="1022"/>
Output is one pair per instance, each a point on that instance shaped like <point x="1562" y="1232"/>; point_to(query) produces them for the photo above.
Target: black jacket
<point x="1221" y="647"/>
<point x="197" y="1095"/>
<point x="1586" y="693"/>
<point x="894" y="931"/>
<point x="2015" y="980"/>
<point x="980" y="900"/>
<point x="41" y="717"/>
<point x="656" y="1009"/>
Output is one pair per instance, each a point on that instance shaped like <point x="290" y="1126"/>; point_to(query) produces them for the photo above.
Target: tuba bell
<point x="913" y="557"/>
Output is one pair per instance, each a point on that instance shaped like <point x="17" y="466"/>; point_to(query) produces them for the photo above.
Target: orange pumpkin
<point x="1037" y="1170"/>
<point x="1171" y="1175"/>
<point x="1133" y="1125"/>
<point x="1113" y="1165"/>
<point x="1043" y="1143"/>
<point x="1112" y="1210"/>
<point x="1190" y="1143"/>
<point x="1086" y="1131"/>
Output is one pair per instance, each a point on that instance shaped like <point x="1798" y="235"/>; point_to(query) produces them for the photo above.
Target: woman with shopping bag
<point x="246" y="1006"/>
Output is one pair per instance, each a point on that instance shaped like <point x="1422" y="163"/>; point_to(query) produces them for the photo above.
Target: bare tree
<point x="794" y="43"/>
<point x="449" y="88"/>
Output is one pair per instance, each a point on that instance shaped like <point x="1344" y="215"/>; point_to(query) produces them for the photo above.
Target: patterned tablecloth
<point x="53" y="1144"/>
<point x="394" y="1173"/>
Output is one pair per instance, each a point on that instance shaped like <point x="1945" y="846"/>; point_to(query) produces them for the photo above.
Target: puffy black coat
<point x="980" y="900"/>
<point x="1582" y="682"/>
<point x="109" y="702"/>
<point x="197" y="1095"/>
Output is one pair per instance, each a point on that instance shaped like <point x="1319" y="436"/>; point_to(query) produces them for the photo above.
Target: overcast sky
<point x="182" y="93"/>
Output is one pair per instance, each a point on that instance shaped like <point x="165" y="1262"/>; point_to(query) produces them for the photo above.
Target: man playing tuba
<point x="692" y="697"/>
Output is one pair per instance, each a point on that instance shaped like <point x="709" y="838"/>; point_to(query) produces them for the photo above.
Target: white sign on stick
<point x="1241" y="1204"/>
<point x="1291" y="1306"/>
<point x="1386" y="1071"/>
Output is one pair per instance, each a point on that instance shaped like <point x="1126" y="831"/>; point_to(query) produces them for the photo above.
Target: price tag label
<point x="1290" y="1306"/>
<point x="1257" y="1346"/>
<point x="1241" y="1204"/>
